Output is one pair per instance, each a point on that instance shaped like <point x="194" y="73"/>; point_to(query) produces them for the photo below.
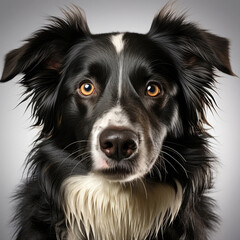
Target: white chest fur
<point x="109" y="211"/>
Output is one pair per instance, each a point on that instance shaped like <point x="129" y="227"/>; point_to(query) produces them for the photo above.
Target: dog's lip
<point x="115" y="172"/>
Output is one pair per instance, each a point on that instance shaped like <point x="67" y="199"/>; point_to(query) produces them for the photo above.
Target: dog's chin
<point x="123" y="171"/>
<point x="119" y="174"/>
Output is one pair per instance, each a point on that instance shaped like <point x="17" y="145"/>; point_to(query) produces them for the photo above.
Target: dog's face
<point x="111" y="100"/>
<point x="123" y="99"/>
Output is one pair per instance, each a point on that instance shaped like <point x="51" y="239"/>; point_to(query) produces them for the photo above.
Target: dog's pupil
<point x="151" y="88"/>
<point x="87" y="87"/>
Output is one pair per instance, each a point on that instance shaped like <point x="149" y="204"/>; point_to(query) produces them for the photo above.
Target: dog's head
<point x="112" y="100"/>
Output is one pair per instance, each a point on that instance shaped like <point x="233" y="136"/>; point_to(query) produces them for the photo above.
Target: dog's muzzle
<point x="118" y="147"/>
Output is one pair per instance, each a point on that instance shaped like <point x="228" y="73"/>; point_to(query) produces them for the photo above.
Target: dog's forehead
<point x="119" y="61"/>
<point x="124" y="45"/>
<point x="108" y="50"/>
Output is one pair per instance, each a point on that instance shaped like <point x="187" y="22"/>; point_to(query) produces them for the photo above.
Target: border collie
<point x="123" y="152"/>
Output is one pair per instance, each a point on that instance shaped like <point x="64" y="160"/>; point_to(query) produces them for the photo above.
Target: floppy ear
<point x="220" y="52"/>
<point x="196" y="53"/>
<point x="41" y="60"/>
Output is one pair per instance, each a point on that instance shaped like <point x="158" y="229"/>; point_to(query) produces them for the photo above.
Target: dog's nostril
<point x="118" y="144"/>
<point x="129" y="147"/>
<point x="107" y="145"/>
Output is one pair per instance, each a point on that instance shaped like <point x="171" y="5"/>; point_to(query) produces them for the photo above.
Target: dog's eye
<point x="153" y="90"/>
<point x="87" y="89"/>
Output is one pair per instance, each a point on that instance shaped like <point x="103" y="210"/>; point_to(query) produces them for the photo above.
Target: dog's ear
<point x="196" y="53"/>
<point x="193" y="43"/>
<point x="48" y="46"/>
<point x="218" y="53"/>
<point x="41" y="60"/>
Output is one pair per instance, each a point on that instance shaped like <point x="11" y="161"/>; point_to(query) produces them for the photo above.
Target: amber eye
<point x="87" y="89"/>
<point x="152" y="90"/>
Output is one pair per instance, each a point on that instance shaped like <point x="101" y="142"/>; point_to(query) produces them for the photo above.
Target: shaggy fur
<point x="111" y="210"/>
<point x="149" y="93"/>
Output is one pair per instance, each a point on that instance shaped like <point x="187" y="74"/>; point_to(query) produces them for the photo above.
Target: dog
<point x="123" y="151"/>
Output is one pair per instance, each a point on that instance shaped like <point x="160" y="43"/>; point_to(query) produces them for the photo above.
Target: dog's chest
<point x="98" y="209"/>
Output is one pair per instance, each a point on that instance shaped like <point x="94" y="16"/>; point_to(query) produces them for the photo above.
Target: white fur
<point x="120" y="79"/>
<point x="117" y="41"/>
<point x="113" y="211"/>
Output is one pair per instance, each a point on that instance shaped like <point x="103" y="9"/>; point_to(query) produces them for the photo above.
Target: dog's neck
<point x="98" y="209"/>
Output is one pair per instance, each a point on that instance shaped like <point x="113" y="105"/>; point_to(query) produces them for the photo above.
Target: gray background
<point x="19" y="18"/>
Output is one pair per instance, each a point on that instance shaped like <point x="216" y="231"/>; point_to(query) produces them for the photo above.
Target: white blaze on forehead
<point x="117" y="41"/>
<point x="120" y="81"/>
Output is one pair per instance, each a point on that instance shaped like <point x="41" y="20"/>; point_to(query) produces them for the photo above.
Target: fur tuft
<point x="95" y="207"/>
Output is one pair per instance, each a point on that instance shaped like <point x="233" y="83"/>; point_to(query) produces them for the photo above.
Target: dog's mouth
<point x="116" y="171"/>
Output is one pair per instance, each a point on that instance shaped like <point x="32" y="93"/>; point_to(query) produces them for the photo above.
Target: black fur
<point x="180" y="52"/>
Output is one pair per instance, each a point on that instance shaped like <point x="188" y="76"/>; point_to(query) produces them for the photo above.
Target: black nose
<point x="118" y="144"/>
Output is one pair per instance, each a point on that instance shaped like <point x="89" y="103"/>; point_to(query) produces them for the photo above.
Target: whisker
<point x="159" y="171"/>
<point x="79" y="141"/>
<point x="169" y="163"/>
<point x="71" y="154"/>
<point x="83" y="159"/>
<point x="80" y="155"/>
<point x="162" y="165"/>
<point x="175" y="161"/>
<point x="175" y="151"/>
